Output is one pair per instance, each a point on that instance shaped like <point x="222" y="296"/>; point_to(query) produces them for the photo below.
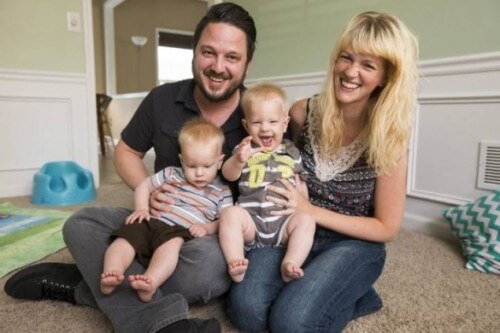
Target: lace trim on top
<point x="328" y="169"/>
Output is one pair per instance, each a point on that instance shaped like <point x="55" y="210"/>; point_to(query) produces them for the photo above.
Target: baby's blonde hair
<point x="260" y="92"/>
<point x="199" y="131"/>
<point x="390" y="107"/>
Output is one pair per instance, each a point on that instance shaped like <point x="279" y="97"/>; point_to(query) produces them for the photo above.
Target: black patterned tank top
<point x="350" y="192"/>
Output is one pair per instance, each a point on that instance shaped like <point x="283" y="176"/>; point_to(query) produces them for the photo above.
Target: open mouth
<point x="267" y="141"/>
<point x="349" y="85"/>
<point x="214" y="77"/>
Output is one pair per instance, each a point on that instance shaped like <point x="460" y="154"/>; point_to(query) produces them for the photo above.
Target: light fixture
<point x="139" y="41"/>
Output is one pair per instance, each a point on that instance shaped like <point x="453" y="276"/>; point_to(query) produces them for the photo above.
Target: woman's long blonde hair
<point x="390" y="107"/>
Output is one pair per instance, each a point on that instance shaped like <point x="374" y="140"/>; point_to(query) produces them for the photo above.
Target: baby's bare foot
<point x="143" y="285"/>
<point x="291" y="271"/>
<point x="237" y="269"/>
<point x="110" y="280"/>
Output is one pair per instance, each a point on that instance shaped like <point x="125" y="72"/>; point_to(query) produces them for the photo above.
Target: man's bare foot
<point x="110" y="280"/>
<point x="143" y="285"/>
<point x="237" y="269"/>
<point x="291" y="271"/>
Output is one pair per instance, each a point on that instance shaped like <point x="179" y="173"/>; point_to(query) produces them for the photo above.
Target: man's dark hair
<point x="234" y="15"/>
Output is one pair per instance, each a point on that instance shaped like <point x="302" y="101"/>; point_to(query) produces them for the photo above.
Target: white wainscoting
<point x="458" y="106"/>
<point x="44" y="117"/>
<point x="445" y="151"/>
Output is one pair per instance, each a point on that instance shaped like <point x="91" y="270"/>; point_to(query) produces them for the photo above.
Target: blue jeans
<point x="200" y="274"/>
<point x="336" y="287"/>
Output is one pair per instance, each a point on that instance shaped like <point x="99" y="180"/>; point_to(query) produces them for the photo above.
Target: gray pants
<point x="200" y="274"/>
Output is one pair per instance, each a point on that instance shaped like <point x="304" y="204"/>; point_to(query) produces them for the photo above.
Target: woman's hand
<point x="294" y="198"/>
<point x="160" y="202"/>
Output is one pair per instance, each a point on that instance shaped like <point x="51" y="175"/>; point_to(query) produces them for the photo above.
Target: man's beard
<point x="231" y="89"/>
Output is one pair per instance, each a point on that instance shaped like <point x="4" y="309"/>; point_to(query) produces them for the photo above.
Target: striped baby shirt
<point x="192" y="205"/>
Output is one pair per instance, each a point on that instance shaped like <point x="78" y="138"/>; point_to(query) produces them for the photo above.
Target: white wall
<point x="47" y="112"/>
<point x="458" y="107"/>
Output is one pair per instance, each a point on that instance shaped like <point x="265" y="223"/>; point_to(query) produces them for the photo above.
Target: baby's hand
<point x="245" y="150"/>
<point x="138" y="216"/>
<point x="198" y="230"/>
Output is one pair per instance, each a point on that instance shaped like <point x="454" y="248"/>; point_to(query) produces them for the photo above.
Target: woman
<point x="353" y="139"/>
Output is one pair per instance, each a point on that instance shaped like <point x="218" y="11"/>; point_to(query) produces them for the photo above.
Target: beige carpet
<point x="425" y="288"/>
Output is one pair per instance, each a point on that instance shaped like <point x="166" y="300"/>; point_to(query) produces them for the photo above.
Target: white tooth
<point x="349" y="85"/>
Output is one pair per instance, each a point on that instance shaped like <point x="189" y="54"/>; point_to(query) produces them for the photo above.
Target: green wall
<point x="296" y="36"/>
<point x="34" y="36"/>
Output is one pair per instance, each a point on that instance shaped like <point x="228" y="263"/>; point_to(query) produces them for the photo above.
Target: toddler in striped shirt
<point x="156" y="242"/>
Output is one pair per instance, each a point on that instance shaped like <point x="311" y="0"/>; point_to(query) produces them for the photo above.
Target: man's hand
<point x="160" y="202"/>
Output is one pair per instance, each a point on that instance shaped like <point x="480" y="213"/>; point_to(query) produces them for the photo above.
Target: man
<point x="224" y="43"/>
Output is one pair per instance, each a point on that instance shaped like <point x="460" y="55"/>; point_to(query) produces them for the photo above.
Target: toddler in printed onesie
<point x="264" y="158"/>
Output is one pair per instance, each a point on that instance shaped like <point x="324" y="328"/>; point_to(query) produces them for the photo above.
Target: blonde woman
<point x="353" y="139"/>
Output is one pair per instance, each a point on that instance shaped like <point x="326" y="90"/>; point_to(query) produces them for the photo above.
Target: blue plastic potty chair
<point x="62" y="183"/>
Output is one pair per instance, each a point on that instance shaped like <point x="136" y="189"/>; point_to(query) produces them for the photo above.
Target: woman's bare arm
<point x="390" y="199"/>
<point x="298" y="116"/>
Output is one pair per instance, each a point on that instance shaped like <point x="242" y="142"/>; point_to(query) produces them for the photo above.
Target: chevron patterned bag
<point x="477" y="227"/>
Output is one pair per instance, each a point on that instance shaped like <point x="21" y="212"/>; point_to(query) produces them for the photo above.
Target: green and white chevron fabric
<point x="477" y="227"/>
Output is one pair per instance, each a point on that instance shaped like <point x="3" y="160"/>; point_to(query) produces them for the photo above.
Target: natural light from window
<point x="174" y="64"/>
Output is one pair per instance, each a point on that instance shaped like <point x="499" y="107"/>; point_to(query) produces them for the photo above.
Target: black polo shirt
<point x="160" y="116"/>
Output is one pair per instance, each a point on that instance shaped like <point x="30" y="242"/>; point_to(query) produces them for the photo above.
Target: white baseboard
<point x="437" y="228"/>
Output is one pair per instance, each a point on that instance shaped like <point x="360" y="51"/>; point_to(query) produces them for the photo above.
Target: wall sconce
<point x="139" y="41"/>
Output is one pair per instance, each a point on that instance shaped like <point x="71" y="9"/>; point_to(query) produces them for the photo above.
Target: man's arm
<point x="129" y="165"/>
